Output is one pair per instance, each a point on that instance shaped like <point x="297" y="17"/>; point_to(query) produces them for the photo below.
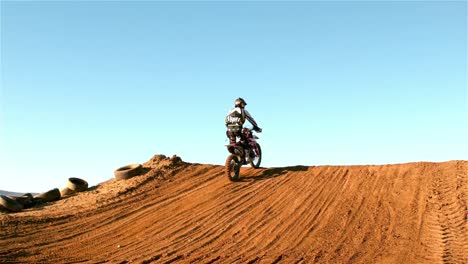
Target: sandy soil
<point x="179" y="212"/>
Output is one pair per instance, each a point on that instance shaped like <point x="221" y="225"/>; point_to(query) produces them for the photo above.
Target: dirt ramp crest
<point x="178" y="212"/>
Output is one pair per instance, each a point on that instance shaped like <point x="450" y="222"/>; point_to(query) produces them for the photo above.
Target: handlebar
<point x="258" y="130"/>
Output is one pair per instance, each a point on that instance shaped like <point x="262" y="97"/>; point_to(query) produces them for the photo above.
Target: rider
<point x="235" y="120"/>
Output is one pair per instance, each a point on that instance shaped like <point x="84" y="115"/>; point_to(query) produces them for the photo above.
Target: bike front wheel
<point x="232" y="167"/>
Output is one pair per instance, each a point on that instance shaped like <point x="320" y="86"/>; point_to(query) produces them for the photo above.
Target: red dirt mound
<point x="178" y="212"/>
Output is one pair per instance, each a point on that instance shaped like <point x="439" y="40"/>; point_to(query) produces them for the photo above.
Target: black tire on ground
<point x="77" y="184"/>
<point x="28" y="195"/>
<point x="25" y="199"/>
<point x="232" y="167"/>
<point x="127" y="172"/>
<point x="50" y="196"/>
<point x="37" y="201"/>
<point x="66" y="191"/>
<point x="255" y="162"/>
<point x="10" y="204"/>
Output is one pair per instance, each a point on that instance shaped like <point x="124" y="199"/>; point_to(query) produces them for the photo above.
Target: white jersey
<point x="237" y="116"/>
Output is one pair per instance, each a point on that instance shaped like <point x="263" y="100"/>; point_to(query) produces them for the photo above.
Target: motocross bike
<point x="246" y="151"/>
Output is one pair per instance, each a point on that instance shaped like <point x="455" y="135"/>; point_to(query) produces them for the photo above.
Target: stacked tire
<point x="18" y="203"/>
<point x="49" y="196"/>
<point x="128" y="171"/>
<point x="74" y="185"/>
<point x="10" y="204"/>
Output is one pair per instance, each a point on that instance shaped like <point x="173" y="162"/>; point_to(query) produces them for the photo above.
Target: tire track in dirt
<point x="280" y="228"/>
<point x="165" y="208"/>
<point x="444" y="234"/>
<point x="233" y="212"/>
<point x="314" y="206"/>
<point x="347" y="244"/>
<point x="255" y="234"/>
<point x="232" y="209"/>
<point x="208" y="234"/>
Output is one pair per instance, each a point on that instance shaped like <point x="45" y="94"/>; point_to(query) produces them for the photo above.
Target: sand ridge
<point x="178" y="212"/>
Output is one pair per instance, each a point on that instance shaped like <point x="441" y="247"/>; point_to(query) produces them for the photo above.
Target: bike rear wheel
<point x="257" y="159"/>
<point x="232" y="167"/>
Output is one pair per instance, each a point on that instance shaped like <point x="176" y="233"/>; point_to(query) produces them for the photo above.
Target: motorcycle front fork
<point x="249" y="154"/>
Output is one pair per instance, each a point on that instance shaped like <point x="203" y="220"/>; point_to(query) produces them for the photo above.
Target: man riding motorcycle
<point x="235" y="120"/>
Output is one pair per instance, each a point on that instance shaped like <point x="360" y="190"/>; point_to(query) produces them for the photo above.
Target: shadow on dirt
<point x="273" y="173"/>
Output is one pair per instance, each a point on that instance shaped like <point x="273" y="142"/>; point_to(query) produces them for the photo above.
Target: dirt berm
<point x="179" y="212"/>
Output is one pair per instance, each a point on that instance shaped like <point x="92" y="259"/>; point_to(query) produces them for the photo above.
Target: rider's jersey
<point x="237" y="116"/>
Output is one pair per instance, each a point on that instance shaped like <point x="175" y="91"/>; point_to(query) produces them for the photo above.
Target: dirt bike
<point x="246" y="151"/>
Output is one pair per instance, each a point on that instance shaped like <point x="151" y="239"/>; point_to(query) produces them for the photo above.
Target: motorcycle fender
<point x="231" y="149"/>
<point x="234" y="149"/>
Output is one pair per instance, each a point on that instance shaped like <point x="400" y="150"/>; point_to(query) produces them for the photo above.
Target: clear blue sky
<point x="87" y="87"/>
